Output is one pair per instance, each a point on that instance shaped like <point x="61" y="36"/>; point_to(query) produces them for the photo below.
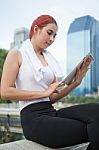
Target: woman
<point x="31" y="75"/>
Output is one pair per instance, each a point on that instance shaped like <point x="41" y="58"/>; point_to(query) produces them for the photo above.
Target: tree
<point x="3" y="54"/>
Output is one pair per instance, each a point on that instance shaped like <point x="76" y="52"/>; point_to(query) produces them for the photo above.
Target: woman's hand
<point x="82" y="70"/>
<point x="53" y="88"/>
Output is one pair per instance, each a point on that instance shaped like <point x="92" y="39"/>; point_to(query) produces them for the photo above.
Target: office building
<point x="83" y="38"/>
<point x="20" y="35"/>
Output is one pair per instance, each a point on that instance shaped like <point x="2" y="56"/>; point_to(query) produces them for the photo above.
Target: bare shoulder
<point x="15" y="56"/>
<point x="10" y="68"/>
<point x="14" y="52"/>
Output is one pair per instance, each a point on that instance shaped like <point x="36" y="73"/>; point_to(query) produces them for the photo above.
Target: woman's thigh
<point x="83" y="112"/>
<point x="59" y="132"/>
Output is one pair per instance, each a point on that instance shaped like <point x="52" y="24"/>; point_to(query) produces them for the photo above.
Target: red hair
<point x="41" y="21"/>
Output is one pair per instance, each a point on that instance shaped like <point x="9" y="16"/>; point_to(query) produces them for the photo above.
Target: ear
<point x="36" y="28"/>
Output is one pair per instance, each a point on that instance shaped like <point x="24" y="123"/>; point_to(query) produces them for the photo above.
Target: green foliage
<point x="3" y="54"/>
<point x="7" y="136"/>
<point x="4" y="101"/>
<point x="80" y="99"/>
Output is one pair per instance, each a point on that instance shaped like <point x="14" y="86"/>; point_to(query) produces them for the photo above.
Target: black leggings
<point x="61" y="128"/>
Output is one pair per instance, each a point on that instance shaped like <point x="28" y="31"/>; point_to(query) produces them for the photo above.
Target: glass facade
<point x="83" y="38"/>
<point x="20" y="35"/>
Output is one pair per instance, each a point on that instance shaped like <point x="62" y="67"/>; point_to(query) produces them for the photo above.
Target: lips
<point x="48" y="43"/>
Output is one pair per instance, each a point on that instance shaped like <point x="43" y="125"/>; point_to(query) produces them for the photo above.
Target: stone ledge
<point x="29" y="145"/>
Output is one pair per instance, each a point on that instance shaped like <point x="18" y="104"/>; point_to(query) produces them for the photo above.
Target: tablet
<point x="71" y="76"/>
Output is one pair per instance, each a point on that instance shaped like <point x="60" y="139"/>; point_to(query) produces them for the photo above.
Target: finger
<point x="85" y="71"/>
<point x="61" y="84"/>
<point x="85" y="66"/>
<point x="57" y="91"/>
<point x="56" y="84"/>
<point x="88" y="61"/>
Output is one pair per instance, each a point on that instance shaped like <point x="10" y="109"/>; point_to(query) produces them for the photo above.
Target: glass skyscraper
<point x="83" y="38"/>
<point x="20" y="35"/>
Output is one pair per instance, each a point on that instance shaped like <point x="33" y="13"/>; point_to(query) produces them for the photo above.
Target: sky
<point x="20" y="13"/>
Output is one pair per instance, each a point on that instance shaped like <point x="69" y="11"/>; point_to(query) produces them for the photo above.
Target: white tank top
<point x="25" y="81"/>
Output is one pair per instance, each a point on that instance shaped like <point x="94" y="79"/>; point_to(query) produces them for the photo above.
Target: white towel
<point x="36" y="65"/>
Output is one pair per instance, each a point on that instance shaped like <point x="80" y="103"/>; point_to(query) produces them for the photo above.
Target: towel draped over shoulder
<point x="35" y="63"/>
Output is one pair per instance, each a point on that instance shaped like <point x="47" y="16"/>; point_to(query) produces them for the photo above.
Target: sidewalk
<point x="29" y="145"/>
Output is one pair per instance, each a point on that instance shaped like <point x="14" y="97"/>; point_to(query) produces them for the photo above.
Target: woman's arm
<point x="62" y="93"/>
<point x="78" y="79"/>
<point x="10" y="71"/>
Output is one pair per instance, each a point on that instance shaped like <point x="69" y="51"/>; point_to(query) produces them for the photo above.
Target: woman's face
<point x="46" y="36"/>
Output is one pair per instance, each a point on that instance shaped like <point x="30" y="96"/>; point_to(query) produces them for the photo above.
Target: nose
<point x="52" y="38"/>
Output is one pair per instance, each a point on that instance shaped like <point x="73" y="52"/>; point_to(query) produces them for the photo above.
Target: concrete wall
<point x="29" y="145"/>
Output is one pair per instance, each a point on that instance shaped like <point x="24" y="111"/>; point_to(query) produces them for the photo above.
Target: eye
<point x="49" y="33"/>
<point x="54" y="35"/>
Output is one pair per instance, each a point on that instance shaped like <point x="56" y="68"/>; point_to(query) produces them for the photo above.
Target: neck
<point x="36" y="48"/>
